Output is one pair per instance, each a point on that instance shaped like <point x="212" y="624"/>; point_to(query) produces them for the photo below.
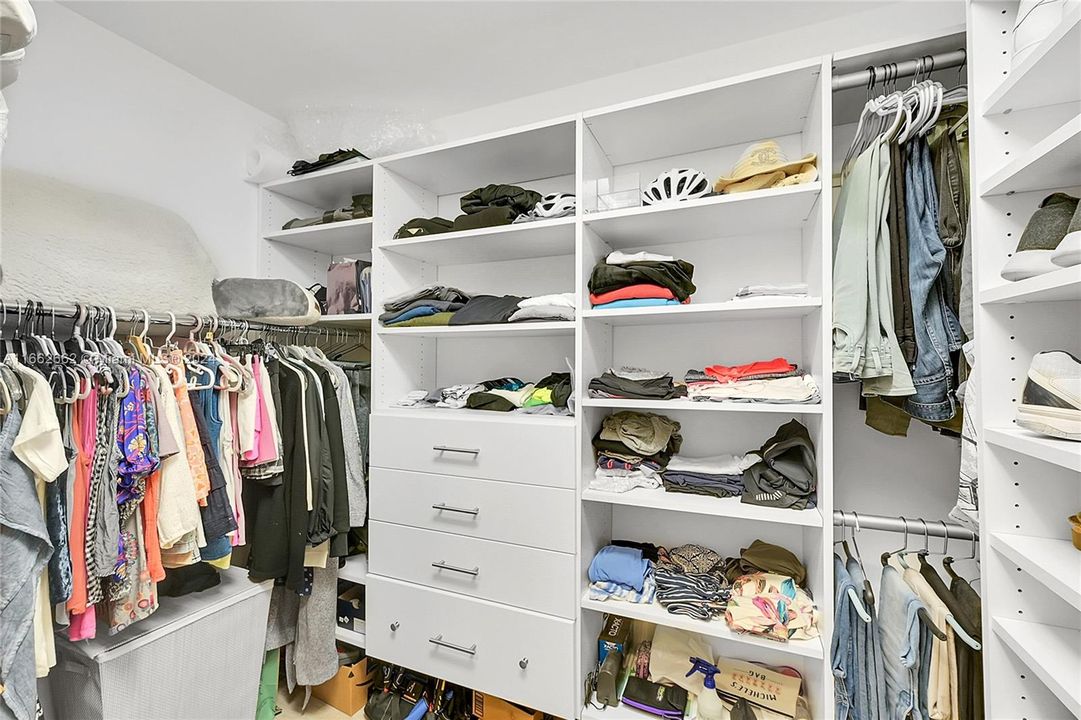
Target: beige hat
<point x="762" y="158"/>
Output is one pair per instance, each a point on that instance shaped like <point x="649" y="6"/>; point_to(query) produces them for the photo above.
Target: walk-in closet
<point x="534" y="361"/>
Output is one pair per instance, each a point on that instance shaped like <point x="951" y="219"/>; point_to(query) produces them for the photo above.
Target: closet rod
<point x="185" y="320"/>
<point x="912" y="526"/>
<point x="905" y="68"/>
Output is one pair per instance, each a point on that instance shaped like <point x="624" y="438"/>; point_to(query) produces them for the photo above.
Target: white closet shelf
<point x="717" y="628"/>
<point x="521" y="329"/>
<point x="703" y="405"/>
<point x="659" y="499"/>
<point x="1064" y="453"/>
<point x="1054" y="562"/>
<point x="544" y="238"/>
<point x="1050" y="75"/>
<point x="1056" y="286"/>
<point x="764" y="308"/>
<point x="1050" y="652"/>
<point x="1051" y="163"/>
<point x="350" y="320"/>
<point x="340" y="238"/>
<point x="468" y="415"/>
<point x="355" y="570"/>
<point x="741" y="214"/>
<point x="329" y="188"/>
<point x="538" y="151"/>
<point x="349" y="637"/>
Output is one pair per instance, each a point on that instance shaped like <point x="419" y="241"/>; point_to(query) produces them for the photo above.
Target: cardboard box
<point x="615" y="635"/>
<point x="347" y="691"/>
<point x="489" y="707"/>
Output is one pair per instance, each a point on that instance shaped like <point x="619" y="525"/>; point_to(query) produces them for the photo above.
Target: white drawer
<point x="524" y="577"/>
<point x="509" y="512"/>
<point x="535" y="453"/>
<point x="514" y="654"/>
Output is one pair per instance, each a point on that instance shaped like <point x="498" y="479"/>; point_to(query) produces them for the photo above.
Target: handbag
<point x="663" y="700"/>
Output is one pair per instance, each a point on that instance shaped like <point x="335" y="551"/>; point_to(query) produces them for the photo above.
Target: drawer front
<point x="539" y="580"/>
<point x="508" y="512"/>
<point x="514" y="654"/>
<point x="494" y="449"/>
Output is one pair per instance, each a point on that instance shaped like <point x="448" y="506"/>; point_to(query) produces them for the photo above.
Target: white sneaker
<point x="1051" y="401"/>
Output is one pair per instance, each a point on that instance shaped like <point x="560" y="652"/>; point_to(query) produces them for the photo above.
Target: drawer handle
<point x="451" y="508"/>
<point x="441" y="565"/>
<point x="438" y="640"/>
<point x="523" y="663"/>
<point x="464" y="451"/>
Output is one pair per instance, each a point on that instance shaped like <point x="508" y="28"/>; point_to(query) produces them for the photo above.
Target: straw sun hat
<point x="764" y="165"/>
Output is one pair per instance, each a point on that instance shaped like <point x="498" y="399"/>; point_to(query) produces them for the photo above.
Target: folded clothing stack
<point x="771" y="290"/>
<point x="785" y="474"/>
<point x="773" y="606"/>
<point x="636" y="384"/>
<point x="428" y="305"/>
<point x="644" y="442"/>
<point x="623" y="573"/>
<point x="548" y="396"/>
<point x="690" y="581"/>
<point x="544" y="308"/>
<point x="489" y="206"/>
<point x="361" y="207"/>
<point x="719" y="475"/>
<point x="640" y="280"/>
<point x="770" y="381"/>
<point x="325" y="160"/>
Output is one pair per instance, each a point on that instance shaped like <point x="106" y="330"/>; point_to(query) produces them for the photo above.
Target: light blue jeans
<point x="899" y="632"/>
<point x="869" y="675"/>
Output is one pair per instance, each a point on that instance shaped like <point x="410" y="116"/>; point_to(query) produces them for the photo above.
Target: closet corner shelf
<point x="350" y="637"/>
<point x="717" y="628"/>
<point x="764" y="308"/>
<point x="351" y="320"/>
<point x="705" y="406"/>
<point x="544" y="238"/>
<point x="348" y="237"/>
<point x="522" y="329"/>
<point x="1054" y="562"/>
<point x="355" y="570"/>
<point x="659" y="499"/>
<point x="742" y="214"/>
<point x="1029" y="85"/>
<point x="1064" y="453"/>
<point x="1051" y="163"/>
<point x="326" y="189"/>
<point x="1050" y="652"/>
<point x="1064" y="284"/>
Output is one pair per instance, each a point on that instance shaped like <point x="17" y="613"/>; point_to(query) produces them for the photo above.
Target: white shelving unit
<point x="1025" y="144"/>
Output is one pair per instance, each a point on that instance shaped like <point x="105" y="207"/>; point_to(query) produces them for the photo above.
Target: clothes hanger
<point x="959" y="631"/>
<point x="853" y="598"/>
<point x="947" y="562"/>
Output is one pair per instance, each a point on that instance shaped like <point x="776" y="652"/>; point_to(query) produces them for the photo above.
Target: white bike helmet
<point x="555" y="205"/>
<point x="676" y="184"/>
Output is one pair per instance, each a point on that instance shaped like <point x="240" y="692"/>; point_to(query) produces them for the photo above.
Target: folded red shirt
<point x="724" y="373"/>
<point x="632" y="292"/>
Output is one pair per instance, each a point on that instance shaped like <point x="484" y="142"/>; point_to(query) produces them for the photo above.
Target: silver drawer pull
<point x="438" y="640"/>
<point x="441" y="565"/>
<point x="451" y="508"/>
<point x="464" y="451"/>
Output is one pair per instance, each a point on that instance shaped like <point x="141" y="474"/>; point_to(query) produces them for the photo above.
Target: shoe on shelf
<point x="1051" y="401"/>
<point x="1043" y="233"/>
<point x="1068" y="252"/>
<point x="1075" y="522"/>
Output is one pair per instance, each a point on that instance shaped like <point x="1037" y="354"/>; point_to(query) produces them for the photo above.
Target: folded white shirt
<point x="564" y="299"/>
<point x="768" y="289"/>
<point x="723" y="464"/>
<point x="619" y="257"/>
<point x="622" y="483"/>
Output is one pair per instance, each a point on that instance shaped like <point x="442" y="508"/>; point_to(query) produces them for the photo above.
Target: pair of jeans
<point x="843" y="649"/>
<point x="869" y="677"/>
<point x="949" y="147"/>
<point x="899" y="633"/>
<point x="937" y="330"/>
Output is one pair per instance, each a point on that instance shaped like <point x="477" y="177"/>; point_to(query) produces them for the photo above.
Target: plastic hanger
<point x="959" y="631"/>
<point x="853" y="598"/>
<point x="868" y="591"/>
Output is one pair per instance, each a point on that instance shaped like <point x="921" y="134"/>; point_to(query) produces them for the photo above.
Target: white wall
<point x="95" y="110"/>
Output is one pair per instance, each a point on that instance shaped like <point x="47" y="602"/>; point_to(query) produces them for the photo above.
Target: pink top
<point x="265" y="449"/>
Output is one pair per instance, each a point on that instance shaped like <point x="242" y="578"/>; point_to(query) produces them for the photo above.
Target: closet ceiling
<point x="432" y="58"/>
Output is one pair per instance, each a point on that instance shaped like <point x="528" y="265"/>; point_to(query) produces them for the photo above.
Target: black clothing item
<point x="517" y="199"/>
<point x="336" y="497"/>
<point x="969" y="661"/>
<point x="301" y="167"/>
<point x="787" y="475"/>
<point x="488" y="401"/>
<point x="675" y="275"/>
<point x="486" y="310"/>
<point x="188" y="579"/>
<point x="217" y="514"/>
<point x="902" y="293"/>
<point x="423" y="226"/>
<point x="649" y="550"/>
<point x="560" y="384"/>
<point x="503" y="383"/>
<point x="485" y="217"/>
<point x="609" y="385"/>
<point x="267" y="525"/>
<point x="295" y="475"/>
<point x="614" y="447"/>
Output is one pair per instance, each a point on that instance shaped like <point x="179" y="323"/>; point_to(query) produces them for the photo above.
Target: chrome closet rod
<point x="905" y="68"/>
<point x="913" y="526"/>
<point x="183" y="320"/>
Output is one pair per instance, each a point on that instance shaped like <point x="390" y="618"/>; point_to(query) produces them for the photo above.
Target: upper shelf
<point x="539" y="151"/>
<point x="732" y="507"/>
<point x="348" y="237"/>
<point x="353" y="321"/>
<point x="1054" y="162"/>
<point x="1054" y="562"/>
<point x="1064" y="453"/>
<point x="1050" y="75"/>
<point x="734" y="111"/>
<point x="1056" y="286"/>
<point x="759" y="308"/>
<point x="705" y="406"/>
<point x="515" y="329"/>
<point x="327" y="189"/>
<point x="741" y="214"/>
<point x="543" y="238"/>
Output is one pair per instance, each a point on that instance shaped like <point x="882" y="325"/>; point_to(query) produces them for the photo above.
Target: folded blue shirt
<point x="622" y="565"/>
<point x="636" y="302"/>
<point x="421" y="311"/>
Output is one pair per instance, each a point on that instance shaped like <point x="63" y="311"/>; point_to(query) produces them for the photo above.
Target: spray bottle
<point x="710" y="706"/>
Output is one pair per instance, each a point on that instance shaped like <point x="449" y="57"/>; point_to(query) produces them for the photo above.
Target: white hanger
<point x="853" y="597"/>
